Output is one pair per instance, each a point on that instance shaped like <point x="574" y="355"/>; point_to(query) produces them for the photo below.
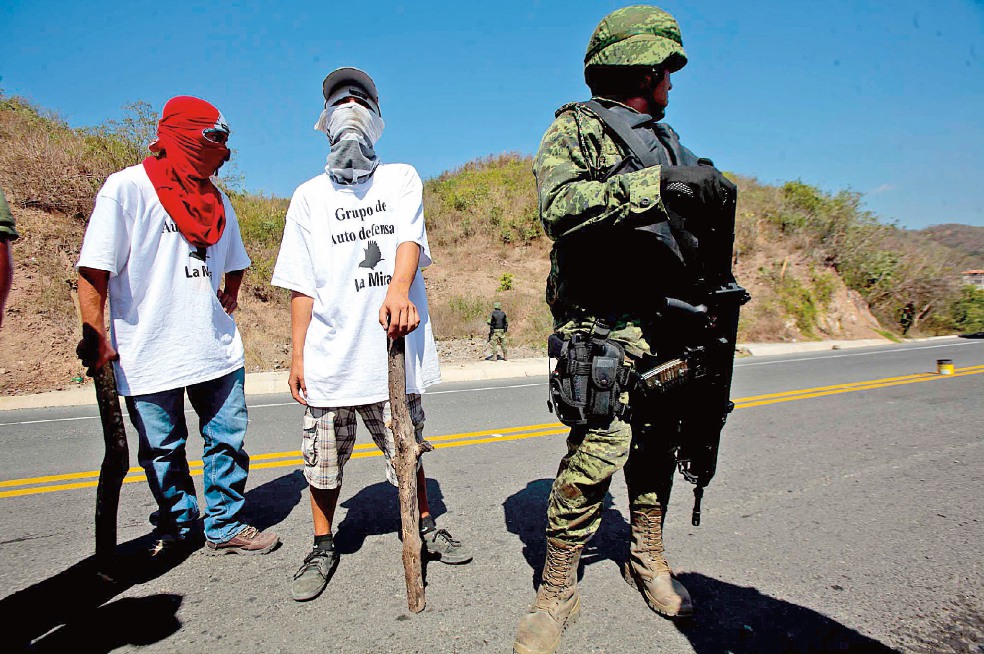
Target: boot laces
<point x="556" y="570"/>
<point x="248" y="532"/>
<point x="652" y="545"/>
<point x="312" y="560"/>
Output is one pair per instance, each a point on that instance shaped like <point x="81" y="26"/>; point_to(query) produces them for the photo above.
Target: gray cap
<point x="345" y="82"/>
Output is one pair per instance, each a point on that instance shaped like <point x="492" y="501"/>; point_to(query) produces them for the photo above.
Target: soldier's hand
<point x="94" y="349"/>
<point x="686" y="189"/>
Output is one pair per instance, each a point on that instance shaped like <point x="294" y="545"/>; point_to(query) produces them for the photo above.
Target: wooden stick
<point x="116" y="459"/>
<point x="408" y="452"/>
<point x="115" y="464"/>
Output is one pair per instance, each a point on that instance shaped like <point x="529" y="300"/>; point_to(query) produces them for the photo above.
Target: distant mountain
<point x="966" y="239"/>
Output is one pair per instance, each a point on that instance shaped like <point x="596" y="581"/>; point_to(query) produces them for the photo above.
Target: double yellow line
<point x="53" y="483"/>
<point x="71" y="481"/>
<point x="836" y="389"/>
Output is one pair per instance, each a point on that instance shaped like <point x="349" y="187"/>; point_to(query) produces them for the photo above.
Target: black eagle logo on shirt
<point x="373" y="256"/>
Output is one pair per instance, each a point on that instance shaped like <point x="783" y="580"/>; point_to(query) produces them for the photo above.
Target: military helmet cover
<point x="640" y="35"/>
<point x="497" y="305"/>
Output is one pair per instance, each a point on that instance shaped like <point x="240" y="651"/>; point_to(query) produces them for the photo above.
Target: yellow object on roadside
<point x="944" y="366"/>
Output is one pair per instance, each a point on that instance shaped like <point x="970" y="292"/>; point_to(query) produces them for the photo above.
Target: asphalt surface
<point x="846" y="516"/>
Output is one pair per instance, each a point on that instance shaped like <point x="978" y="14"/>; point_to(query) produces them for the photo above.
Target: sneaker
<point x="490" y="358"/>
<point x="440" y="545"/>
<point x="249" y="540"/>
<point x="313" y="575"/>
<point x="500" y="358"/>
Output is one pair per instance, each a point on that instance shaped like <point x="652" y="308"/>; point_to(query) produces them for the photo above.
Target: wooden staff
<point x="408" y="452"/>
<point x="116" y="459"/>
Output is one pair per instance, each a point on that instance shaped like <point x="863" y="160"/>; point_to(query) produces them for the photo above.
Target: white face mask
<point x="350" y="122"/>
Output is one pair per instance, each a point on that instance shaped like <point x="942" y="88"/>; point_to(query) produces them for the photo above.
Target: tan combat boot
<point x="557" y="602"/>
<point x="648" y="571"/>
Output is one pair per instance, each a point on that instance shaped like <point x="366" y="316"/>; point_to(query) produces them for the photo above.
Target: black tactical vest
<point x="614" y="272"/>
<point x="498" y="319"/>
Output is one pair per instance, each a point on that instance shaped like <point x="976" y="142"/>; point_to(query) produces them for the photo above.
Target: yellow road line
<point x="805" y="394"/>
<point x="290" y="458"/>
<point x="94" y="474"/>
<point x="439" y="442"/>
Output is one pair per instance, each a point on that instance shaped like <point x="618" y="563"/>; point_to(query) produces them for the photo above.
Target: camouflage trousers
<point x="644" y="450"/>
<point x="496" y="339"/>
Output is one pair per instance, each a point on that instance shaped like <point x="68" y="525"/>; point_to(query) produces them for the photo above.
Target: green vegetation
<point x="796" y="245"/>
<point x="494" y="197"/>
<point x="887" y="265"/>
<point x="967" y="310"/>
<point x="802" y="299"/>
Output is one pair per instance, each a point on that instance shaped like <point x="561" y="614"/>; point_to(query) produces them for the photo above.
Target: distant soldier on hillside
<point x="498" y="326"/>
<point x="907" y="317"/>
<point x="8" y="234"/>
<point x="645" y="313"/>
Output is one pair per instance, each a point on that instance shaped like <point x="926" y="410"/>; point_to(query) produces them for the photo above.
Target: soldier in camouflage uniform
<point x="498" y="326"/>
<point x="604" y="272"/>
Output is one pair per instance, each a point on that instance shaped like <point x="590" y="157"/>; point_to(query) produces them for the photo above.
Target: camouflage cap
<point x="497" y="305"/>
<point x="641" y="35"/>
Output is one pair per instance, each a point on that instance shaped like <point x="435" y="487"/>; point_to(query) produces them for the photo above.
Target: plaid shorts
<point x="329" y="437"/>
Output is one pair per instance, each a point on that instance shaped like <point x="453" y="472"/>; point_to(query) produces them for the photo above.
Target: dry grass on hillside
<point x="487" y="246"/>
<point x="40" y="330"/>
<point x="795" y="297"/>
<point x="49" y="166"/>
<point x="795" y="249"/>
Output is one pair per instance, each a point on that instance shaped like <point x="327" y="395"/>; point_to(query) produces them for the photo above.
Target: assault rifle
<point x="704" y="236"/>
<point x="709" y="363"/>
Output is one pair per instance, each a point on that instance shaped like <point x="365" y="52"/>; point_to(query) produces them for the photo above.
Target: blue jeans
<point x="160" y="422"/>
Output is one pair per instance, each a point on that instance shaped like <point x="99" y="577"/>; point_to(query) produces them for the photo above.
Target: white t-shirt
<point x="339" y="248"/>
<point x="167" y="324"/>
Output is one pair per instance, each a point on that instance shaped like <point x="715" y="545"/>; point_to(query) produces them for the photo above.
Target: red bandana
<point x="187" y="159"/>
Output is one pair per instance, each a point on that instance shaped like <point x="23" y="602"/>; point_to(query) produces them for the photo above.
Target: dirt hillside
<point x="814" y="263"/>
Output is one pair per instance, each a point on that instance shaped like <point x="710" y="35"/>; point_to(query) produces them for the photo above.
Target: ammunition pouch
<point x="588" y="379"/>
<point x="675" y="373"/>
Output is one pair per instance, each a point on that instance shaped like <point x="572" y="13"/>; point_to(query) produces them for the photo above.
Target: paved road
<point x="847" y="513"/>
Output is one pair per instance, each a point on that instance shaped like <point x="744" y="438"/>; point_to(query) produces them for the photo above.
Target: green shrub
<point x="968" y="310"/>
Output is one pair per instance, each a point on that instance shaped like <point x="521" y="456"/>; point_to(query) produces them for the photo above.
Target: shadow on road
<point x="269" y="504"/>
<point x="526" y="516"/>
<point x="974" y="335"/>
<point x="736" y="619"/>
<point x="375" y="511"/>
<point x="76" y="600"/>
<point x="127" y="621"/>
<point x="742" y="620"/>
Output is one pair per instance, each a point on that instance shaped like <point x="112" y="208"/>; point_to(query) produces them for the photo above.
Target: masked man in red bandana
<point x="163" y="244"/>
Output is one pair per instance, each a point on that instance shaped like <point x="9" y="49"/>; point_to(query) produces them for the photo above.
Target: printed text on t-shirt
<point x="360" y="213"/>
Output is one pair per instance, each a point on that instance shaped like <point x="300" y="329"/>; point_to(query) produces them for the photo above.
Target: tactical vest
<point x="619" y="272"/>
<point x="498" y="319"/>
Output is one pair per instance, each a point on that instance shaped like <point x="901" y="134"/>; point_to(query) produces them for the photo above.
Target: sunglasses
<point x="216" y="135"/>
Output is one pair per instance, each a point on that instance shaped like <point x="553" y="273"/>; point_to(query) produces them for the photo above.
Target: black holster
<point x="588" y="379"/>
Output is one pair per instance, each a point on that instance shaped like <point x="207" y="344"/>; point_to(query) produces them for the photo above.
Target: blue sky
<point x="883" y="98"/>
